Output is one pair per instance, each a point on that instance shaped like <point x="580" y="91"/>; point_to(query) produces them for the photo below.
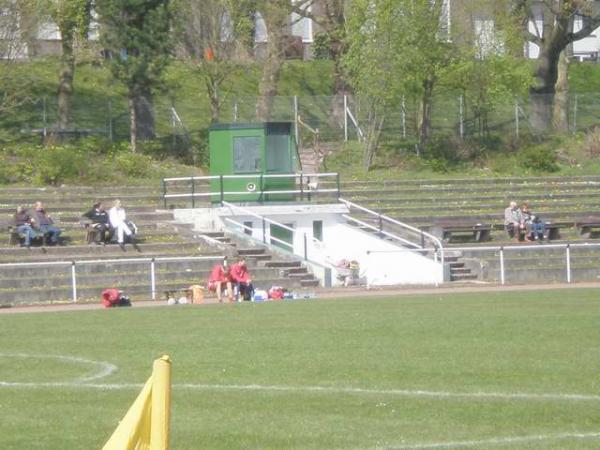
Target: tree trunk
<point x="143" y="103"/>
<point x="376" y="119"/>
<point x="269" y="81"/>
<point x="212" y="86"/>
<point x="425" y="112"/>
<point x="275" y="21"/>
<point x="542" y="93"/>
<point x="561" y="96"/>
<point x="65" y="81"/>
<point x="132" y="123"/>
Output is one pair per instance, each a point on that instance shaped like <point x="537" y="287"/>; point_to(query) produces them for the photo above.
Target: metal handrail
<point x="75" y="263"/>
<point x="501" y="249"/>
<point x="437" y="242"/>
<point x="301" y="177"/>
<point x="386" y="233"/>
<point x="241" y="225"/>
<point x="258" y="216"/>
<point x="274" y="222"/>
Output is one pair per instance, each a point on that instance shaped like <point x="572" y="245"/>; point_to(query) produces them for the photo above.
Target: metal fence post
<point x="296" y="119"/>
<point x="74" y="282"/>
<point x="164" y="189"/>
<point x="517" y="118"/>
<point x="501" y="265"/>
<point x="345" y="118"/>
<point x="301" y="186"/>
<point x="337" y="182"/>
<point x="193" y="192"/>
<point x="403" y="118"/>
<point x="305" y="248"/>
<point x="461" y="118"/>
<point x="110" y="121"/>
<point x="575" y="113"/>
<point x="153" y="278"/>
<point x="264" y="230"/>
<point x="221" y="188"/>
<point x="568" y="256"/>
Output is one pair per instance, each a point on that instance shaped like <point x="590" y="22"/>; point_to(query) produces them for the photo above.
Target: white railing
<point x="423" y="236"/>
<point x="307" y="185"/>
<point x="502" y="250"/>
<point x="296" y="236"/>
<point x="73" y="265"/>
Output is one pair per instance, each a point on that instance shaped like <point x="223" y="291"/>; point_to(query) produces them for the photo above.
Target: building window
<point x="318" y="230"/>
<point x="246" y="154"/>
<point x="248" y="228"/>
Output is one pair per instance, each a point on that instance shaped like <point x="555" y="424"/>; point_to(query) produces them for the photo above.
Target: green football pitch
<point x="483" y="370"/>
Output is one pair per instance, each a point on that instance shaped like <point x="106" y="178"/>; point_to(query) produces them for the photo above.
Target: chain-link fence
<point x="181" y="125"/>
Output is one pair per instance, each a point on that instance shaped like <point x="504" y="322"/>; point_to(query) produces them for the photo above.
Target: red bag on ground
<point x="276" y="293"/>
<point x="110" y="297"/>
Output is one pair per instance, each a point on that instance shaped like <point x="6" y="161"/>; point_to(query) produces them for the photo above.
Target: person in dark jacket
<point x="100" y="223"/>
<point x="44" y="223"/>
<point x="23" y="224"/>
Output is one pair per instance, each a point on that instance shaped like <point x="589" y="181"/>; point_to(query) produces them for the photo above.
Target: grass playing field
<point x="486" y="370"/>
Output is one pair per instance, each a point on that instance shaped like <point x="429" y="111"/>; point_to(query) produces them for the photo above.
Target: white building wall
<point x="381" y="262"/>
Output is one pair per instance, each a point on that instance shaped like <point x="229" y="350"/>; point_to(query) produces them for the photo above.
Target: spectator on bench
<point x="241" y="279"/>
<point x="44" y="223"/>
<point x="120" y="224"/>
<point x="23" y="226"/>
<point x="218" y="280"/>
<point x="100" y="223"/>
<point x="513" y="221"/>
<point x="535" y="226"/>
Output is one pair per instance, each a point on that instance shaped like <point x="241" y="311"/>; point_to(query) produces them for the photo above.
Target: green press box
<point x="252" y="150"/>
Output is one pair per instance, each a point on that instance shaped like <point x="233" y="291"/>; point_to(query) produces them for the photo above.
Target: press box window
<point x="246" y="154"/>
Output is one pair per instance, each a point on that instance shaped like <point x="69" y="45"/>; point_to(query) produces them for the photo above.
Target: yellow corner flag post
<point x="146" y="424"/>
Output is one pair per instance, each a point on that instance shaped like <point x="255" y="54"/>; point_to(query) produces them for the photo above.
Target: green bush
<point x="539" y="158"/>
<point x="59" y="164"/>
<point x="134" y="165"/>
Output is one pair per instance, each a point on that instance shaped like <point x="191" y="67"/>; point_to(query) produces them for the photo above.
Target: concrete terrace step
<point x="501" y="181"/>
<point x="115" y="278"/>
<point x="68" y="253"/>
<point x="133" y="290"/>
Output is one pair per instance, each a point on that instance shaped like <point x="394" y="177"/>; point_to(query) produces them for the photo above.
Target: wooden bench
<point x="479" y="232"/>
<point x="553" y="229"/>
<point x="588" y="227"/>
<point x="15" y="238"/>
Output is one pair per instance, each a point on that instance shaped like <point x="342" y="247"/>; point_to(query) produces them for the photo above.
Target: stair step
<point x="309" y="283"/>
<point x="283" y="264"/>
<point x="255" y="251"/>
<point x="459" y="270"/>
<point x="464" y="276"/>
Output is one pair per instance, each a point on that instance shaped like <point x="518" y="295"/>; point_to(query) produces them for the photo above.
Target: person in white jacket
<point x="118" y="221"/>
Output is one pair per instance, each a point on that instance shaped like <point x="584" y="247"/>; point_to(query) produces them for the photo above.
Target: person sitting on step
<point x="513" y="221"/>
<point x="44" y="223"/>
<point x="100" y="223"/>
<point x="219" y="280"/>
<point x="23" y="226"/>
<point x="535" y="226"/>
<point x="123" y="227"/>
<point x="242" y="280"/>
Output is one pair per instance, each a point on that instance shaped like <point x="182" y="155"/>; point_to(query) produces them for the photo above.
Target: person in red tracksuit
<point x="220" y="278"/>
<point x="242" y="280"/>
